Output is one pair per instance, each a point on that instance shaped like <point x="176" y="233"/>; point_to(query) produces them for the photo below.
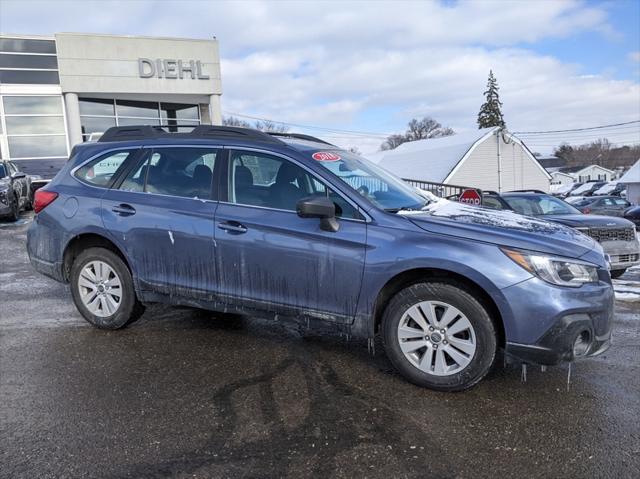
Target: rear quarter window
<point x="100" y="171"/>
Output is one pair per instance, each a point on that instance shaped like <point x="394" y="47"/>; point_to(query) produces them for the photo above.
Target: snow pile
<point x="606" y="189"/>
<point x="582" y="189"/>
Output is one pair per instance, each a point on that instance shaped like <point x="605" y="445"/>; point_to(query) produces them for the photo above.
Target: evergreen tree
<point x="490" y="113"/>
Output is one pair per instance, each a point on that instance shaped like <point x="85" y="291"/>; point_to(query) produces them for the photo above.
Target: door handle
<point x="124" y="210"/>
<point x="232" y="227"/>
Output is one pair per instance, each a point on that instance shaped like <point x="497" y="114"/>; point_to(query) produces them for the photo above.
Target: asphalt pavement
<point x="188" y="393"/>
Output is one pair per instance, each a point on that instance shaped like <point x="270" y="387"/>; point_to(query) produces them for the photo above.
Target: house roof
<point x="633" y="175"/>
<point x="551" y="162"/>
<point x="437" y="159"/>
<point x="579" y="168"/>
<point x="433" y="159"/>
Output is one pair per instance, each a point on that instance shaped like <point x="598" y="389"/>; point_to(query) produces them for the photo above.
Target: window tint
<point x="184" y="172"/>
<point x="262" y="180"/>
<point x="100" y="171"/>
<point x="3" y="172"/>
<point x="489" y="202"/>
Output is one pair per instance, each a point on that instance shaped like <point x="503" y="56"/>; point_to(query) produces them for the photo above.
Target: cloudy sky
<point x="361" y="70"/>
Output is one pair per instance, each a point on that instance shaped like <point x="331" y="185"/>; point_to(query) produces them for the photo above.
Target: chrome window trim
<point x="313" y="174"/>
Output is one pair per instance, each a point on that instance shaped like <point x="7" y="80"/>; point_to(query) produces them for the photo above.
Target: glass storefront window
<point x="29" y="77"/>
<point x="38" y="125"/>
<point x="171" y="111"/>
<point x="96" y="106"/>
<point x="138" y="121"/>
<point x="37" y="62"/>
<point x="32" y="105"/>
<point x="96" y="124"/>
<point x="142" y="109"/>
<point x="27" y="45"/>
<point x="37" y="146"/>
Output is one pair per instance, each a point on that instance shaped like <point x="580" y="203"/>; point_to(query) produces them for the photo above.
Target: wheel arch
<point x="88" y="240"/>
<point x="418" y="275"/>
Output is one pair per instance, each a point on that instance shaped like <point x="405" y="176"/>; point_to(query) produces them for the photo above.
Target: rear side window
<point x="103" y="169"/>
<point x="183" y="172"/>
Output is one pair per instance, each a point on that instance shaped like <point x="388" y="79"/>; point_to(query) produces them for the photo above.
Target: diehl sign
<point x="160" y="68"/>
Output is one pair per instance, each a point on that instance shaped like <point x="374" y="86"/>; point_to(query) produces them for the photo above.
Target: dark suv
<point x="15" y="191"/>
<point x="616" y="235"/>
<point x="231" y="219"/>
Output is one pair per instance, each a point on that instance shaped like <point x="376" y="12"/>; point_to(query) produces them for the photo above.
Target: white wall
<point x="563" y="179"/>
<point x="633" y="193"/>
<point x="519" y="171"/>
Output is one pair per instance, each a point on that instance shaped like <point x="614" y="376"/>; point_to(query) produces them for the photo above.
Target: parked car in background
<point x="15" y="191"/>
<point x="600" y="205"/>
<point x="617" y="236"/>
<point x="285" y="225"/>
<point x="633" y="214"/>
<point x="613" y="188"/>
<point x="587" y="189"/>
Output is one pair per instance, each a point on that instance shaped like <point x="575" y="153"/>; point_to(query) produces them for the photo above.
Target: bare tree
<point x="271" y="126"/>
<point x="417" y="129"/>
<point x="233" y="121"/>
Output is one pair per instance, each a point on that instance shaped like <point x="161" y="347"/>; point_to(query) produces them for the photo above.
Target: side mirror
<point x="319" y="207"/>
<point x="18" y="174"/>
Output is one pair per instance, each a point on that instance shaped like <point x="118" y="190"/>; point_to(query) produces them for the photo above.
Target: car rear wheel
<point x="14" y="212"/>
<point x="439" y="336"/>
<point x="102" y="289"/>
<point x="617" y="273"/>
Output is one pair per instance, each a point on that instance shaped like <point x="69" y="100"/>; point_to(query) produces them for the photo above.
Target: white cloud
<point x="374" y="65"/>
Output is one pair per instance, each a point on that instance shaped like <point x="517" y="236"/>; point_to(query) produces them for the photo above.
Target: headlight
<point x="555" y="270"/>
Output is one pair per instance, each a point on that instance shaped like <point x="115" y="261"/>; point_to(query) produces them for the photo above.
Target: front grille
<point x="611" y="234"/>
<point x="625" y="258"/>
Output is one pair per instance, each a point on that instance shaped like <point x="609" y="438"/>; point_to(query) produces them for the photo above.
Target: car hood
<point x="504" y="228"/>
<point x="589" y="221"/>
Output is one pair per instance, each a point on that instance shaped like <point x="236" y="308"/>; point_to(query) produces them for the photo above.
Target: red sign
<point x="470" y="197"/>
<point x="325" y="156"/>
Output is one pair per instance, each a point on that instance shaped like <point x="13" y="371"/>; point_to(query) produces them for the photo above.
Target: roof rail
<point x="528" y="191"/>
<point x="299" y="136"/>
<point x="145" y="132"/>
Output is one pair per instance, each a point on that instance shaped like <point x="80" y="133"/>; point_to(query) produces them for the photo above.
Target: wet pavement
<point x="187" y="393"/>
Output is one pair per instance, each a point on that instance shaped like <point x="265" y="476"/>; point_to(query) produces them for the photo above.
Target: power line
<point x="574" y="129"/>
<point x="311" y="127"/>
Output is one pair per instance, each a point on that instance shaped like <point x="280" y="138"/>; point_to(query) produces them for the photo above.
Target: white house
<point x="632" y="179"/>
<point x="582" y="174"/>
<point x="489" y="159"/>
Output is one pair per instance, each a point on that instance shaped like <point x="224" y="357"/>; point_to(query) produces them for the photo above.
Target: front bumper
<point x="622" y="254"/>
<point x="552" y="324"/>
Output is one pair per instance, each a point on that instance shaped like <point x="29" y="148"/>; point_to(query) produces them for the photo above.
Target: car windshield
<point x="377" y="185"/>
<point x="582" y="202"/>
<point x="3" y="172"/>
<point x="539" y="205"/>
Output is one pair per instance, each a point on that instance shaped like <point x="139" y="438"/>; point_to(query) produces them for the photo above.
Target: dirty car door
<point x="269" y="257"/>
<point x="162" y="212"/>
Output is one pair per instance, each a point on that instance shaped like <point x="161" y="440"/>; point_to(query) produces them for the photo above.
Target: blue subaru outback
<point x="232" y="219"/>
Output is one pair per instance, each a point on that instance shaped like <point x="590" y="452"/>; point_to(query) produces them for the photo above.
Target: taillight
<point x="42" y="199"/>
<point x="586" y="211"/>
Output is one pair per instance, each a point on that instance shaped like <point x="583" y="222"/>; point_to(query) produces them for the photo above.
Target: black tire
<point x="617" y="273"/>
<point x="14" y="214"/>
<point x="129" y="309"/>
<point x="456" y="296"/>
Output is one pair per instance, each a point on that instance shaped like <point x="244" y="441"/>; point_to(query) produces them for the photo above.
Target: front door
<point x="267" y="256"/>
<point x="162" y="211"/>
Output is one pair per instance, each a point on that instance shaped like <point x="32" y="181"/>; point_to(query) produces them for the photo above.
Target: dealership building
<point x="58" y="91"/>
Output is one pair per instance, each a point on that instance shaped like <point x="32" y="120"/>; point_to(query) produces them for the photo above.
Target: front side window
<point x="3" y="172"/>
<point x="103" y="169"/>
<point x="378" y="186"/>
<point x="183" y="172"/>
<point x="259" y="179"/>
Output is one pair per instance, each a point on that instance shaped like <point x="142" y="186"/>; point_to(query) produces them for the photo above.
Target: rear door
<point x="269" y="257"/>
<point x="162" y="211"/>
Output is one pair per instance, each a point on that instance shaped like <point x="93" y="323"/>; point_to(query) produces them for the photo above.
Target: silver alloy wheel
<point x="100" y="288"/>
<point x="437" y="338"/>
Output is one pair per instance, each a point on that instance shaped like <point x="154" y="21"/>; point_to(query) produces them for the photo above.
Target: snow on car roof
<point x="606" y="189"/>
<point x="429" y="160"/>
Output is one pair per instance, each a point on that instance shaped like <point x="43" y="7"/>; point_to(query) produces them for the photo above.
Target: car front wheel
<point x="102" y="289"/>
<point x="439" y="336"/>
